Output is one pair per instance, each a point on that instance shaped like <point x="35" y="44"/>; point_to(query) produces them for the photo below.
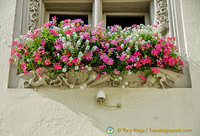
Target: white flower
<point x="94" y="77"/>
<point x="87" y="42"/>
<point x="75" y="36"/>
<point x="81" y="37"/>
<point x="129" y="73"/>
<point x="122" y="46"/>
<point x="70" y="58"/>
<point x="120" y="78"/>
<point x="94" y="48"/>
<point x="64" y="70"/>
<point x="28" y="60"/>
<point x="89" y="68"/>
<point x="42" y="29"/>
<point x="126" y="83"/>
<point x="87" y="48"/>
<point x="68" y="36"/>
<point x="123" y="86"/>
<point x="63" y="39"/>
<point x="60" y="35"/>
<point x="69" y="44"/>
<point x="107" y="44"/>
<point x="78" y="43"/>
<point x="86" y="66"/>
<point x="64" y="45"/>
<point x="58" y="54"/>
<point x="76" y="68"/>
<point x="84" y="85"/>
<point x="81" y="87"/>
<point x="80" y="55"/>
<point x="71" y="85"/>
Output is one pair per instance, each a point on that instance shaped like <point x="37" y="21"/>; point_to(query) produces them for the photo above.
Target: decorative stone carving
<point x="162" y="16"/>
<point x="34" y="14"/>
<point x="83" y="79"/>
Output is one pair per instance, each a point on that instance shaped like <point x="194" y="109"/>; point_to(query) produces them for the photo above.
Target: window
<point x="126" y="13"/>
<point x="124" y="20"/>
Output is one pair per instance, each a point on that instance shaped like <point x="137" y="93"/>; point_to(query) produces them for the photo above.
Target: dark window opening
<point x="61" y="17"/>
<point x="124" y="21"/>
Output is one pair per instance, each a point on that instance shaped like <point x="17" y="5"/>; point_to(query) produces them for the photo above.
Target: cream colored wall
<point x="49" y="112"/>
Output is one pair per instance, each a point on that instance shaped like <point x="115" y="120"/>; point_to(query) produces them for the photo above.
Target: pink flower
<point x="102" y="66"/>
<point x="94" y="39"/>
<point x="137" y="64"/>
<point x="43" y="42"/>
<point x="47" y="61"/>
<point x="123" y="57"/>
<point x="171" y="61"/>
<point x="65" y="58"/>
<point x="24" y="67"/>
<point x="98" y="76"/>
<point x="39" y="72"/>
<point x="129" y="66"/>
<point x="142" y="77"/>
<point x="58" y="44"/>
<point x="13" y="51"/>
<point x="116" y="71"/>
<point x="10" y="59"/>
<point x="57" y="66"/>
<point x="155" y="70"/>
<point x="81" y="68"/>
<point x="181" y="63"/>
<point x="37" y="58"/>
<point x="86" y="35"/>
<point x="108" y="61"/>
<point x="88" y="56"/>
<point x="155" y="52"/>
<point x="105" y="73"/>
<point x="111" y="50"/>
<point x="14" y="42"/>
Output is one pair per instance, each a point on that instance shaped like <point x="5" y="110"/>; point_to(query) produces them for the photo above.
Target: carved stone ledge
<point x="78" y="79"/>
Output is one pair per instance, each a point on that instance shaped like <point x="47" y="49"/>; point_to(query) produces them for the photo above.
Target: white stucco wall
<point x="48" y="112"/>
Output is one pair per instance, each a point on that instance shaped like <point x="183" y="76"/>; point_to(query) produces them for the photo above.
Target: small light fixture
<point x="101" y="99"/>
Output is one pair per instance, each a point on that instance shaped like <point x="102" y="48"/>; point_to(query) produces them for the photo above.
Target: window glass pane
<point x="62" y="17"/>
<point x="124" y="21"/>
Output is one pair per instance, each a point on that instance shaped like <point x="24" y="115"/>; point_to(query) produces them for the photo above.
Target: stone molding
<point x="34" y="7"/>
<point x="161" y="16"/>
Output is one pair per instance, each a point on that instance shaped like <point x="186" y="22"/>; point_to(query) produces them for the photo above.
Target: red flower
<point x="57" y="66"/>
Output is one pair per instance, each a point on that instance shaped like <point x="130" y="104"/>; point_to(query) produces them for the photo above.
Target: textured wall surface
<point x="50" y="112"/>
<point x="191" y="10"/>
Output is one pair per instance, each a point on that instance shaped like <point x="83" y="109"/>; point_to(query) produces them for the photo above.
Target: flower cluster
<point x="114" y="51"/>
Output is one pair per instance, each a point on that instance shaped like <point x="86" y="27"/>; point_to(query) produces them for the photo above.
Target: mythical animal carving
<point x="75" y="79"/>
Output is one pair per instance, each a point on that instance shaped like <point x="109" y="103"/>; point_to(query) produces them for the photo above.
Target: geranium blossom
<point x="47" y="61"/>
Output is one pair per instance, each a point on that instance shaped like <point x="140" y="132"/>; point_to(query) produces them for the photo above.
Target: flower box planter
<point x="75" y="56"/>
